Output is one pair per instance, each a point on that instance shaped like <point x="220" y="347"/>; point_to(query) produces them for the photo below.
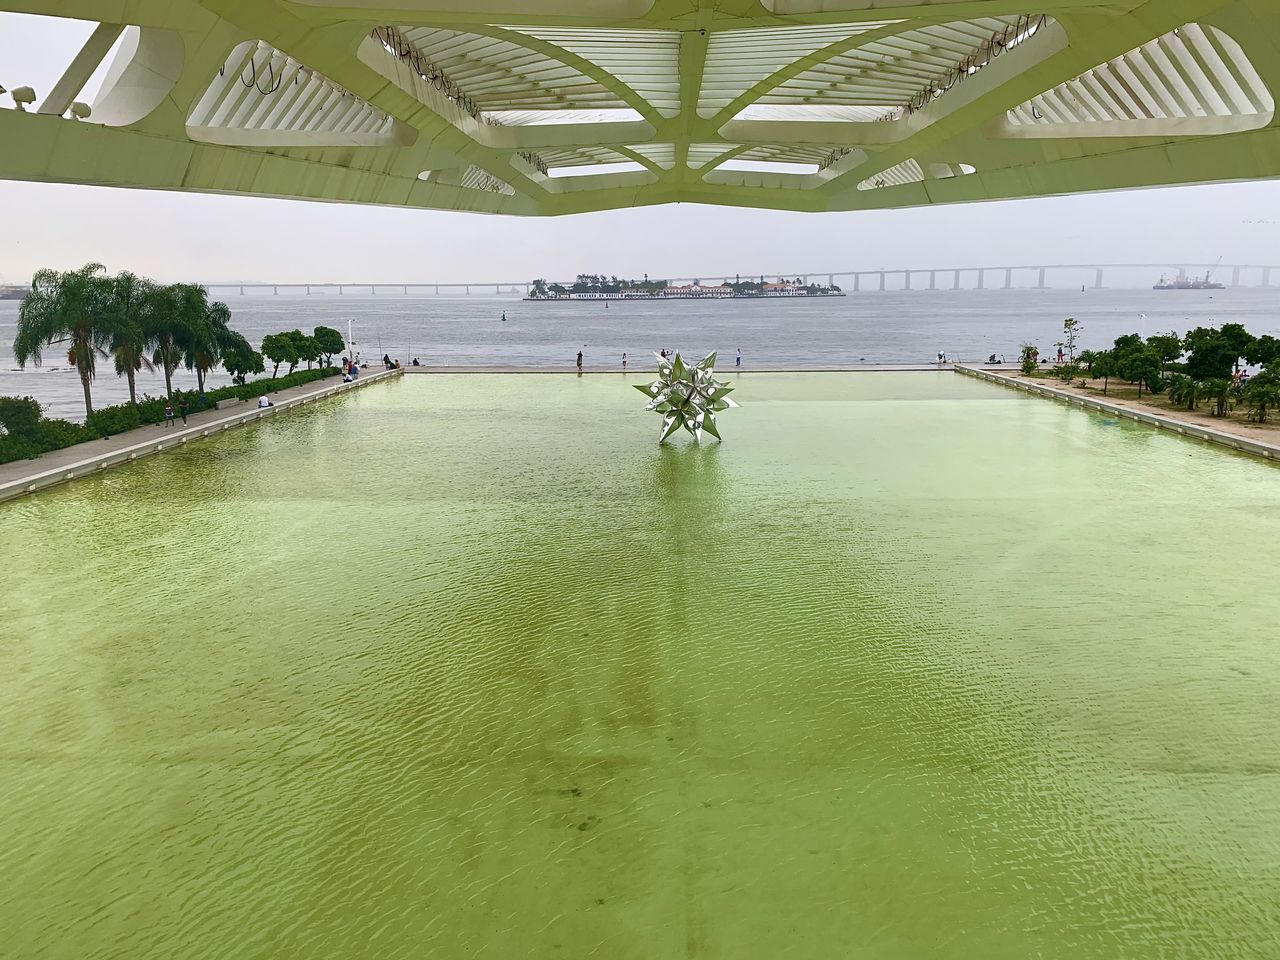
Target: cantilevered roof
<point x="543" y="107"/>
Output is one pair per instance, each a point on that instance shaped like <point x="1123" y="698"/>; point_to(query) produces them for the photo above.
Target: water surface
<point x="911" y="666"/>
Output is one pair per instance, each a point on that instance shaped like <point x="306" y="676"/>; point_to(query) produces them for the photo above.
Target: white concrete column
<point x="81" y="69"/>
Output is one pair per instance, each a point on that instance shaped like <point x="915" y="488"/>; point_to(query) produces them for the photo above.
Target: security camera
<point x="23" y="96"/>
<point x="81" y="110"/>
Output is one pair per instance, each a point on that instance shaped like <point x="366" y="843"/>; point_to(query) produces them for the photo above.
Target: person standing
<point x="624" y="361"/>
<point x="183" y="410"/>
<point x="737" y="361"/>
<point x="579" y="361"/>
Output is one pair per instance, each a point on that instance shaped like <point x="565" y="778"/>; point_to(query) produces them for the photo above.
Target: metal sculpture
<point x="687" y="396"/>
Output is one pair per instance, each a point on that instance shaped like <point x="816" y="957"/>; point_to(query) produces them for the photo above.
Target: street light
<point x="23" y="96"/>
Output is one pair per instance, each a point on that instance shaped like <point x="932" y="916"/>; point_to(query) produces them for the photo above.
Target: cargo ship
<point x="1183" y="282"/>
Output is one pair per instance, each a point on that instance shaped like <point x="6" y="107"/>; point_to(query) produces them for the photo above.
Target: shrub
<point x="56" y="434"/>
<point x="112" y="420"/>
<point x="19" y="415"/>
<point x="44" y="436"/>
<point x="1068" y="372"/>
<point x="15" y="447"/>
<point x="1262" y="396"/>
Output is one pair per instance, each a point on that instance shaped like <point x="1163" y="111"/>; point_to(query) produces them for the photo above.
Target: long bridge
<point x="1037" y="276"/>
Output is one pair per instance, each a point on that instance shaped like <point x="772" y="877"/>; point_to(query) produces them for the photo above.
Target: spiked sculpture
<point x="688" y="397"/>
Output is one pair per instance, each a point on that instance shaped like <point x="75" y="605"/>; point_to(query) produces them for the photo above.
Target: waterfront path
<point x="644" y="366"/>
<point x="58" y="466"/>
<point x="1228" y="434"/>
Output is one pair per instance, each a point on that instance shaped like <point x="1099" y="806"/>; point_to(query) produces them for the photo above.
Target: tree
<point x="1185" y="391"/>
<point x="1263" y="351"/>
<point x="239" y="358"/>
<point x="127" y="308"/>
<point x="539" y="288"/>
<point x="1103" y="366"/>
<point x="19" y="416"/>
<point x="1213" y="354"/>
<point x="1141" y="365"/>
<point x="66" y="308"/>
<point x="309" y="350"/>
<point x="1071" y="334"/>
<point x="1029" y="353"/>
<point x="1167" y="345"/>
<point x="1221" y="392"/>
<point x="1262" y="395"/>
<point x="279" y="348"/>
<point x="207" y="328"/>
<point x="329" y="341"/>
<point x="304" y="348"/>
<point x="165" y="323"/>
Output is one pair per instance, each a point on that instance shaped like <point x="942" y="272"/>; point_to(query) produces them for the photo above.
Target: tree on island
<point x="329" y="341"/>
<point x="66" y="308"/>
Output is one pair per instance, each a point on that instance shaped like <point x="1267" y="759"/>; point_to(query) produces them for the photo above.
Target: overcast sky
<point x="174" y="236"/>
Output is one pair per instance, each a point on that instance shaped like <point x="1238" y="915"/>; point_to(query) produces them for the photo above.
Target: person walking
<point x="183" y="410"/>
<point x="737" y="361"/>
<point x="624" y="361"/>
<point x="168" y="414"/>
<point x="579" y="361"/>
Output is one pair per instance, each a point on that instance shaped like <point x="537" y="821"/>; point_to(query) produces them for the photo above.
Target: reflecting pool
<point x="467" y="666"/>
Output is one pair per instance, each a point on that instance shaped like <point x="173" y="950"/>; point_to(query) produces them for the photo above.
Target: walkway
<point x="1133" y="410"/>
<point x="645" y="366"/>
<point x="58" y="466"/>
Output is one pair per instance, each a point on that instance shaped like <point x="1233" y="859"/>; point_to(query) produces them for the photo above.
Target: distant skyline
<point x="177" y="236"/>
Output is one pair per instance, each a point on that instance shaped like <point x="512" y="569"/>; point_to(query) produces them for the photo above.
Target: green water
<point x="910" y="667"/>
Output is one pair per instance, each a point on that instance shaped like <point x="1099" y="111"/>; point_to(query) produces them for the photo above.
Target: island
<point x="590" y="286"/>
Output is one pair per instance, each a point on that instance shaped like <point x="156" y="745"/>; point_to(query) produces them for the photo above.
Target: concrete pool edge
<point x="1160" y="422"/>
<point x="41" y="476"/>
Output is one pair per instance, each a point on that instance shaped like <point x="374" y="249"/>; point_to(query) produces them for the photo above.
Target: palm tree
<point x="66" y="308"/>
<point x="164" y="326"/>
<point x="207" y="330"/>
<point x="127" y="306"/>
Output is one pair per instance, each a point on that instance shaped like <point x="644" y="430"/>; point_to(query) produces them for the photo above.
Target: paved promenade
<point x="58" y="466"/>
<point x="643" y="365"/>
<point x="1130" y="410"/>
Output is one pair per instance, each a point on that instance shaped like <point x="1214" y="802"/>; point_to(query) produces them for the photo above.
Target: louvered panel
<point x="739" y="59"/>
<point x="260" y="92"/>
<point x="647" y="61"/>
<point x="497" y="74"/>
<point x="896" y="176"/>
<point x="890" y="71"/>
<point x="1194" y="71"/>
